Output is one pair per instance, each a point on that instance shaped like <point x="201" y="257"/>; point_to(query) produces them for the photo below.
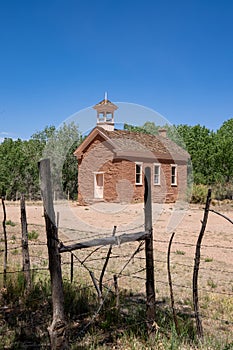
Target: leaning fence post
<point x="71" y="267"/>
<point x="116" y="291"/>
<point x="196" y="267"/>
<point x="5" y="242"/>
<point x="106" y="262"/>
<point x="170" y="285"/>
<point x="25" y="250"/>
<point x="58" y="326"/>
<point x="150" y="285"/>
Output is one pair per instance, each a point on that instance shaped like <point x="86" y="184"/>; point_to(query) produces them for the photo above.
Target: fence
<point x="125" y="270"/>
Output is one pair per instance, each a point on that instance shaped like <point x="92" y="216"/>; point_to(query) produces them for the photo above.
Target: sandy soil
<point x="82" y="222"/>
<point x="78" y="224"/>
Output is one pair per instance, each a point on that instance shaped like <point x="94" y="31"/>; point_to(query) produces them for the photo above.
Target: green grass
<point x="13" y="238"/>
<point x="15" y="252"/>
<point x="211" y="283"/>
<point x="33" y="235"/>
<point x="10" y="223"/>
<point x="29" y="314"/>
<point x="180" y="252"/>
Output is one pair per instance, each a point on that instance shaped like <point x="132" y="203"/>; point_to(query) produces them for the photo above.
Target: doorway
<point x="99" y="185"/>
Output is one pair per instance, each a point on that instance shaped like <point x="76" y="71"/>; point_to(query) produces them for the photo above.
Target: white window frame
<point x="174" y="176"/>
<point x="137" y="173"/>
<point x="158" y="166"/>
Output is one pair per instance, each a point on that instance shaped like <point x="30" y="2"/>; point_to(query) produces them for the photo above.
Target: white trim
<point x="140" y="174"/>
<point x="174" y="183"/>
<point x="158" y="165"/>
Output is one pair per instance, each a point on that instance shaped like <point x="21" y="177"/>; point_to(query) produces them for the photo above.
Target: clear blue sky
<point x="60" y="56"/>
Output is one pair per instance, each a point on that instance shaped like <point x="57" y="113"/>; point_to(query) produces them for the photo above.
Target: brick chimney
<point x="163" y="132"/>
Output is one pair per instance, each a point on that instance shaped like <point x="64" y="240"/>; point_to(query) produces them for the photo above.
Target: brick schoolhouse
<point x="111" y="163"/>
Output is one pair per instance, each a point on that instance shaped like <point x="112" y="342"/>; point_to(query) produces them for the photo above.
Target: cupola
<point x="105" y="113"/>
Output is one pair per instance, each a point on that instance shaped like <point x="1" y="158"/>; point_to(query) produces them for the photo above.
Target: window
<point x="156" y="174"/>
<point x="174" y="175"/>
<point x="101" y="117"/>
<point x="138" y="173"/>
<point x="109" y="117"/>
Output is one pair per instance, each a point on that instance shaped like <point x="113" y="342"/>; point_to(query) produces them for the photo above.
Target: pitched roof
<point x="105" y="103"/>
<point x="136" y="144"/>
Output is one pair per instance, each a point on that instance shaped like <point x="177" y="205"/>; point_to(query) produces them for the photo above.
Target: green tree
<point x="19" y="162"/>
<point x="44" y="135"/>
<point x="18" y="168"/>
<point x="59" y="149"/>
<point x="147" y="128"/>
<point x="224" y="151"/>
<point x="200" y="142"/>
<point x="6" y="148"/>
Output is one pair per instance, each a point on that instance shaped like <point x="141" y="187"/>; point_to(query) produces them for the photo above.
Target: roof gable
<point x="135" y="144"/>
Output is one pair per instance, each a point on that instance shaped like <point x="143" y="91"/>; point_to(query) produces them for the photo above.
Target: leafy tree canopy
<point x="19" y="161"/>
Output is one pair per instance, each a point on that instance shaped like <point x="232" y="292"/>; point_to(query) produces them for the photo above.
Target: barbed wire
<point x="193" y="244"/>
<point x="81" y="261"/>
<point x="21" y="271"/>
<point x="134" y="274"/>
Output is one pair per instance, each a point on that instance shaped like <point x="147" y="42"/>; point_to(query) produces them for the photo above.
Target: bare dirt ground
<point x="78" y="224"/>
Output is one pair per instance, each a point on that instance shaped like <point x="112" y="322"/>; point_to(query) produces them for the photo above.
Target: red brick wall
<point x="119" y="178"/>
<point x="92" y="161"/>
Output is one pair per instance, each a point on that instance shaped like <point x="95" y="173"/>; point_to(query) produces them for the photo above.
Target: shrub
<point x="180" y="252"/>
<point x="33" y="235"/>
<point x="223" y="191"/>
<point x="199" y="193"/>
<point x="10" y="223"/>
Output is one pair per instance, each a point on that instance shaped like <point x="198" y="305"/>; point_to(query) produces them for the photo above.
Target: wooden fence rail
<point x="117" y="240"/>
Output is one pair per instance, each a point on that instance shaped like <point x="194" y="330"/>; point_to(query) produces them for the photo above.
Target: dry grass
<point x="215" y="280"/>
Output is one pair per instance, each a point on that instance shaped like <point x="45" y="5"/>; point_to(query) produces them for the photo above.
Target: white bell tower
<point x="105" y="113"/>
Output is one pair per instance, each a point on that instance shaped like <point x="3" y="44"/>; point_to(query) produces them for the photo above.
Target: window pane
<point x="138" y="173"/>
<point x="173" y="175"/>
<point x="101" y="116"/>
<point x="99" y="179"/>
<point x="156" y="174"/>
<point x="109" y="116"/>
<point x="138" y="178"/>
<point x="138" y="168"/>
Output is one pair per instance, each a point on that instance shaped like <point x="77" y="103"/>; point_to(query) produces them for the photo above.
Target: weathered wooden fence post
<point x="150" y="284"/>
<point x="57" y="330"/>
<point x="170" y="285"/>
<point x="71" y="267"/>
<point x="196" y="267"/>
<point x="116" y="291"/>
<point x="5" y="242"/>
<point x="25" y="250"/>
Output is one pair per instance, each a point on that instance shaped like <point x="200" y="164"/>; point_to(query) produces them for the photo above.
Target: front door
<point x="99" y="185"/>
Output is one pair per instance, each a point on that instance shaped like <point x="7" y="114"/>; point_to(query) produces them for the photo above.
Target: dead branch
<point x="224" y="216"/>
<point x="100" y="298"/>
<point x="196" y="267"/>
<point x="170" y="285"/>
<point x="106" y="262"/>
